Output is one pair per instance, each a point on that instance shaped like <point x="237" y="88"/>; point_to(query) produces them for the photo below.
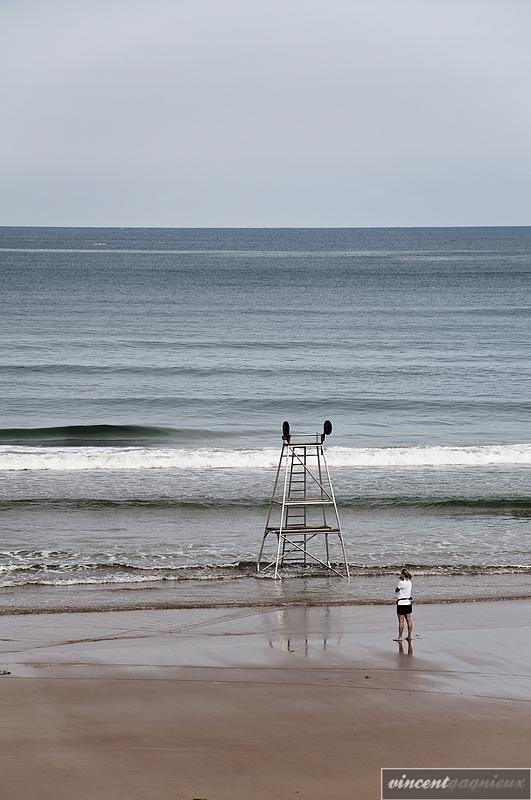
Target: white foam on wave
<point x="15" y="458"/>
<point x="432" y="456"/>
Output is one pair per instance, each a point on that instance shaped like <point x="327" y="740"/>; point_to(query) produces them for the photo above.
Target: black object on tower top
<point x="327" y="429"/>
<point x="286" y="433"/>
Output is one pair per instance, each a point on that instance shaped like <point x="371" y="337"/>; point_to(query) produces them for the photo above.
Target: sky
<point x="248" y="113"/>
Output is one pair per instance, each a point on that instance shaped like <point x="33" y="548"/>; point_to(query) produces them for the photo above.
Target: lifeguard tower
<point x="303" y="511"/>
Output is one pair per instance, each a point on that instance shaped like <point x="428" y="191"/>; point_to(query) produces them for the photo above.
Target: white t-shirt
<point x="404" y="593"/>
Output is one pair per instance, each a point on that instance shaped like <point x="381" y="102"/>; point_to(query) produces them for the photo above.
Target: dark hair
<point x="406" y="573"/>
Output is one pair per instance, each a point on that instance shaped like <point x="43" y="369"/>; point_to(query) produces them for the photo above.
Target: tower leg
<point x="344" y="555"/>
<point x="283" y="551"/>
<point x="261" y="552"/>
<point x="270" y="506"/>
<point x="280" y="540"/>
<point x="284" y="508"/>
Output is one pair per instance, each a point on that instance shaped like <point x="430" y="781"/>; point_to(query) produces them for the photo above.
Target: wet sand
<point x="257" y="702"/>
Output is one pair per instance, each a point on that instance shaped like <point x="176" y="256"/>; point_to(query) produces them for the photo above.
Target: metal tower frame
<point x="306" y="509"/>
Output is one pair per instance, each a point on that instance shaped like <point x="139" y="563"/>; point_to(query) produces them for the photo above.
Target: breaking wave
<point x="49" y="569"/>
<point x="73" y="458"/>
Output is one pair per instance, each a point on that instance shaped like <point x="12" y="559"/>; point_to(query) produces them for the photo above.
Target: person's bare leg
<point x="409" y="620"/>
<point x="400" y="627"/>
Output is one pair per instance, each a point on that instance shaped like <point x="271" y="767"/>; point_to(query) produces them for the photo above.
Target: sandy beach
<point x="237" y="703"/>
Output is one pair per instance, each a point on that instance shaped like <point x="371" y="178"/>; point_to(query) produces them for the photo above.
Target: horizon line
<point x="262" y="227"/>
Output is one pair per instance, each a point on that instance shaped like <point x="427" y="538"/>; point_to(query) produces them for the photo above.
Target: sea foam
<point x="138" y="458"/>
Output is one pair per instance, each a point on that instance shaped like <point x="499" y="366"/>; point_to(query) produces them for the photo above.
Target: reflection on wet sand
<point x="409" y="650"/>
<point x="295" y="631"/>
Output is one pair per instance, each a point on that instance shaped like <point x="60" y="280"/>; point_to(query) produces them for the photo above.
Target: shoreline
<point x="249" y="591"/>
<point x="242" y="605"/>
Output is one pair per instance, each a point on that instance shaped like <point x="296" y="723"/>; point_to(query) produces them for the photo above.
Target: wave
<point x="515" y="506"/>
<point x="230" y="569"/>
<point x="74" y="458"/>
<point x="98" y="435"/>
<point x="135" y="503"/>
<point x="44" y="573"/>
<point x="173" y="370"/>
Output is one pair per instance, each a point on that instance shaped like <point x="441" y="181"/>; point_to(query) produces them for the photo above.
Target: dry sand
<point x="257" y="703"/>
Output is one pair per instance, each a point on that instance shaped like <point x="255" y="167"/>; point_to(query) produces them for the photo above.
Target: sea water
<point x="145" y="376"/>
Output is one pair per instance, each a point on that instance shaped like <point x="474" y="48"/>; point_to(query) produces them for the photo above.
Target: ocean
<point x="145" y="375"/>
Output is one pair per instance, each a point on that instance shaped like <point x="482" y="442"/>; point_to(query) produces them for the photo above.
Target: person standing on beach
<point x="404" y="604"/>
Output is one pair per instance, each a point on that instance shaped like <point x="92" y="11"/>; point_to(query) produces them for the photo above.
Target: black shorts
<point x="403" y="609"/>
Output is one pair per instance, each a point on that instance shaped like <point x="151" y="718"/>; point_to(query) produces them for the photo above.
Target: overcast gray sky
<point x="274" y="113"/>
